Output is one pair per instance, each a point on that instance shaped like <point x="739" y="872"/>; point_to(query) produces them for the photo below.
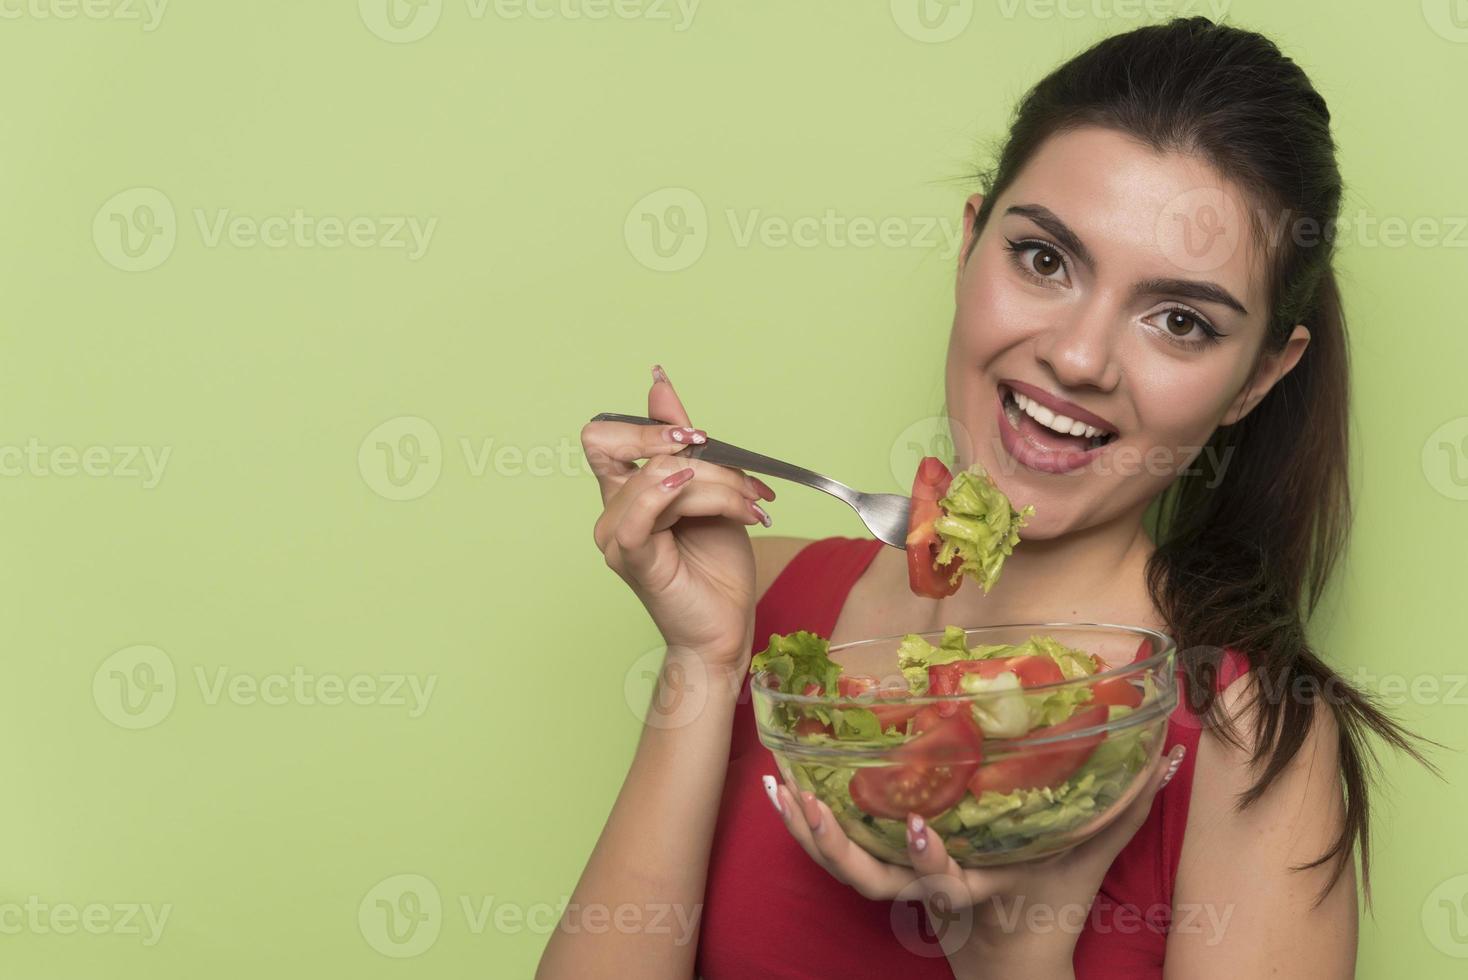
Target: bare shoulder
<point x="1235" y="869"/>
<point x="771" y="554"/>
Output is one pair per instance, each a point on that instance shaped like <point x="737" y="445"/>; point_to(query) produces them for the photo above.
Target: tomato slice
<point x="888" y="716"/>
<point x="1047" y="765"/>
<point x="927" y="774"/>
<point x="1030" y="668"/>
<point x="1116" y="691"/>
<point x="923" y="576"/>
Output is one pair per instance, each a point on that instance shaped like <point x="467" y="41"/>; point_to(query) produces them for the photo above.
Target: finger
<point x="663" y="402"/>
<point x="796" y="824"/>
<point x="944" y="884"/>
<point x="645" y="553"/>
<point x="660" y="468"/>
<point x="871" y="878"/>
<point x="613" y="448"/>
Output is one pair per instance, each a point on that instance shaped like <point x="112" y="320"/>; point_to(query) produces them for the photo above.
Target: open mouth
<point x="1048" y="430"/>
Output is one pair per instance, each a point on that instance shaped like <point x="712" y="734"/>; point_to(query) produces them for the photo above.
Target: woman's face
<point x="1113" y="287"/>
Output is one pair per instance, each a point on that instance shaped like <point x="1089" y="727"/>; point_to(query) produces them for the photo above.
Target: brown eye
<point x="1045" y="262"/>
<point x="1180" y="324"/>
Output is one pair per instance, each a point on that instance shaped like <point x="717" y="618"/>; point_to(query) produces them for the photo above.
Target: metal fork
<point x="884" y="514"/>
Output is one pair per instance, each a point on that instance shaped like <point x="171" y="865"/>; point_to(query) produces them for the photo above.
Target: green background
<point x="270" y="546"/>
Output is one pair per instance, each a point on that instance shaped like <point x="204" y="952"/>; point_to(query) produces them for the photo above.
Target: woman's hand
<point x="987" y="906"/>
<point x="675" y="530"/>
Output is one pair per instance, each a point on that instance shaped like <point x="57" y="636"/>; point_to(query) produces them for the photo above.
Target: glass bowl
<point x="993" y="779"/>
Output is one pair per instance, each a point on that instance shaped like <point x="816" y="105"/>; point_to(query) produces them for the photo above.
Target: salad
<point x="958" y="525"/>
<point x="1010" y="770"/>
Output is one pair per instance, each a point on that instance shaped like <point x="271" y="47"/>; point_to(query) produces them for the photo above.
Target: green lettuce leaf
<point x="914" y="655"/>
<point x="797" y="659"/>
<point x="979" y="526"/>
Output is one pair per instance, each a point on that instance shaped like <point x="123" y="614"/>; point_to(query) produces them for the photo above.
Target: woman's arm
<point x="1238" y="909"/>
<point x="653" y="852"/>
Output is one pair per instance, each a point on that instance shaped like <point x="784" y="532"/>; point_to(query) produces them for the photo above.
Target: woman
<point x="1152" y="257"/>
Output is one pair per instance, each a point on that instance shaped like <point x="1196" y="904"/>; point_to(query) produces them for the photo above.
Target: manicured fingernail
<point x="658" y="374"/>
<point x="772" y="793"/>
<point x="698" y="436"/>
<point x="915" y="834"/>
<point x="1172" y="767"/>
<point x="759" y="512"/>
<point x="677" y="479"/>
<point x="816" y="824"/>
<point x="761" y="487"/>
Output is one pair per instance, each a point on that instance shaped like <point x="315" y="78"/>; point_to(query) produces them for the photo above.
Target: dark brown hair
<point x="1243" y="555"/>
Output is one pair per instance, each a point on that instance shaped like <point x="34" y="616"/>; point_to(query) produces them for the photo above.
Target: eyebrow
<point x="1202" y="291"/>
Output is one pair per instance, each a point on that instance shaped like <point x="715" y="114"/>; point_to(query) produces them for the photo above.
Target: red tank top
<point x="770" y="911"/>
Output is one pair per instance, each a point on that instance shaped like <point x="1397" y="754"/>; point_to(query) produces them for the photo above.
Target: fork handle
<point x="725" y="454"/>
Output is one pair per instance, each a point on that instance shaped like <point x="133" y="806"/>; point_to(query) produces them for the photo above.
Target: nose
<point x="1080" y="347"/>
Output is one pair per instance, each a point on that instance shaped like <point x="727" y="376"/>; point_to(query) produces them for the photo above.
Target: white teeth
<point x="1057" y="423"/>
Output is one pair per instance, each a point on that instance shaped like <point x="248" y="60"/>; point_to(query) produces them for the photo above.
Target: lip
<point x="1034" y="457"/>
<point x="1059" y="405"/>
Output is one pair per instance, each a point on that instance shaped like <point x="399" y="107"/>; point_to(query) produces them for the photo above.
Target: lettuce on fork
<point x="979" y="526"/>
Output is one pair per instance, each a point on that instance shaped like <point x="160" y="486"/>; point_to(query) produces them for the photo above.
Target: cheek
<point x="994" y="312"/>
<point x="1180" y="407"/>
